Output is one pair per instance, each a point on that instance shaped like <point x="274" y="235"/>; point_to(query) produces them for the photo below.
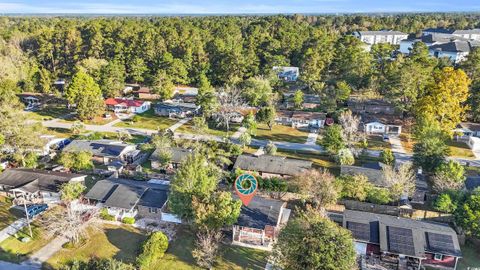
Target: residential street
<point x="397" y="149"/>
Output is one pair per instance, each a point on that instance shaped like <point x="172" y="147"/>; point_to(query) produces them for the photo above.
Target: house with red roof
<point x="122" y="105"/>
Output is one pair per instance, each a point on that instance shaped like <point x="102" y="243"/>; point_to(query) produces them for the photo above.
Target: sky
<point x="233" y="7"/>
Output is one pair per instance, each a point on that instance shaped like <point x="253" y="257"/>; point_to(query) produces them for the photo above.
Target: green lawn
<point x="7" y="215"/>
<point x="471" y="257"/>
<point x="460" y="149"/>
<point x="59" y="132"/>
<point x="111" y="241"/>
<point x="377" y="143"/>
<point x="148" y="120"/>
<point x="281" y="133"/>
<point x="49" y="111"/>
<point x="14" y="250"/>
<point x="212" y="130"/>
<point x="179" y="256"/>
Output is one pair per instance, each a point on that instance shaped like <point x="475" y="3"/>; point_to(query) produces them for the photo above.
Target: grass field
<point x="147" y="120"/>
<point x="7" y="215"/>
<point x="179" y="256"/>
<point x="14" y="250"/>
<point x="460" y="149"/>
<point x="212" y="130"/>
<point x="50" y="111"/>
<point x="111" y="241"/>
<point x="377" y="143"/>
<point x="281" y="133"/>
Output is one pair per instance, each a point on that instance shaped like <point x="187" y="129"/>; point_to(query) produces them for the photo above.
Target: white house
<point x="288" y="74"/>
<point x="384" y="36"/>
<point x="122" y="105"/>
<point x="380" y="128"/>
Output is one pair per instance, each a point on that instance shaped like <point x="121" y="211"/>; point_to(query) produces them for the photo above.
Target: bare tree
<point x="70" y="222"/>
<point x="400" y="181"/>
<point x="317" y="186"/>
<point x="207" y="248"/>
<point x="350" y="134"/>
<point x="442" y="182"/>
<point x="230" y="104"/>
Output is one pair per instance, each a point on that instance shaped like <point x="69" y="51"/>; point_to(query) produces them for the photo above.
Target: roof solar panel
<point x="441" y="243"/>
<point x="400" y="240"/>
<point x="360" y="231"/>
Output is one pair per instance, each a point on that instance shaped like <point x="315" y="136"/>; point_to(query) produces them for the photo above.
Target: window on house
<point x="152" y="210"/>
<point x="438" y="257"/>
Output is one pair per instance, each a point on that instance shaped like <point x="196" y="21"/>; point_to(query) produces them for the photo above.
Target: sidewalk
<point x="312" y="138"/>
<point x="12" y="229"/>
<point x="179" y="124"/>
<point x="45" y="252"/>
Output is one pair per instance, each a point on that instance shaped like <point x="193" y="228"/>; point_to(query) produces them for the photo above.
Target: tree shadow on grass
<point x="245" y="258"/>
<point x="128" y="242"/>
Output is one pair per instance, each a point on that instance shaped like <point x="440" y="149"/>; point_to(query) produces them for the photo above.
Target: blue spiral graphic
<point x="241" y="179"/>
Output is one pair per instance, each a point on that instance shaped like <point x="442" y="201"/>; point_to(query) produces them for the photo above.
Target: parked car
<point x="35" y="209"/>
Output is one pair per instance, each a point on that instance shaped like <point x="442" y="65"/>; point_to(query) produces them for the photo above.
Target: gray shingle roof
<point x="32" y="180"/>
<point x="101" y="148"/>
<point x="394" y="234"/>
<point x="272" y="164"/>
<point x="127" y="194"/>
<point x="178" y="154"/>
<point x="453" y="46"/>
<point x="472" y="182"/>
<point x="260" y="212"/>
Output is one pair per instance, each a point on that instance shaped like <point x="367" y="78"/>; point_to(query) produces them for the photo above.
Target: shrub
<point x="355" y="187"/>
<point x="128" y="220"/>
<point x="153" y="249"/>
<point x="105" y="215"/>
<point x="345" y="157"/>
<point x="387" y="157"/>
<point x="378" y="195"/>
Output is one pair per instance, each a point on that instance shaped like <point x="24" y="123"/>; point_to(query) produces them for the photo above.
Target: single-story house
<point x="370" y="106"/>
<point x="466" y="130"/>
<point x="176" y="109"/>
<point x="260" y="222"/>
<point x="39" y="186"/>
<point x="288" y="74"/>
<point x="130" y="198"/>
<point x="272" y="166"/>
<point x="185" y="94"/>
<point x="374" y="172"/>
<point x="381" y="128"/>
<point x="178" y="155"/>
<point x="310" y="101"/>
<point x="122" y="105"/>
<point x="106" y="151"/>
<point x="301" y="119"/>
<point x="383" y="36"/>
<point x="145" y="93"/>
<point x="408" y="242"/>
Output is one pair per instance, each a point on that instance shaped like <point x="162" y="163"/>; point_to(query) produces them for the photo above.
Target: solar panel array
<point x="359" y="230"/>
<point x="441" y="243"/>
<point x="400" y="240"/>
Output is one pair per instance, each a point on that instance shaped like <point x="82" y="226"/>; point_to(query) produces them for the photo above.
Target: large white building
<point x="384" y="36"/>
<point x="472" y="34"/>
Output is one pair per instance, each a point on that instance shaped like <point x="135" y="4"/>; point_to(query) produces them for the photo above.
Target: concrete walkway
<point x="396" y="144"/>
<point x="179" y="124"/>
<point x="43" y="254"/>
<point x="312" y="138"/>
<point x="12" y="229"/>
